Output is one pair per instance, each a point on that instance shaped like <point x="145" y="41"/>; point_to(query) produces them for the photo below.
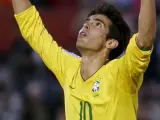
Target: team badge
<point x="96" y="87"/>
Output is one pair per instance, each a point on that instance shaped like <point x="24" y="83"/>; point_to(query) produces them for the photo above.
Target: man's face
<point x="93" y="34"/>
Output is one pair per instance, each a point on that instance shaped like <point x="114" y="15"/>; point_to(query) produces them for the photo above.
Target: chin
<point x="78" y="45"/>
<point x="81" y="43"/>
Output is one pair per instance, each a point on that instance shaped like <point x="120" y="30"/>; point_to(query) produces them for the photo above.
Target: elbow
<point x="145" y="43"/>
<point x="145" y="46"/>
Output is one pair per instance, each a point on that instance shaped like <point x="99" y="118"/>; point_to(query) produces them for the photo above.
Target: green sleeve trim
<point x="145" y="49"/>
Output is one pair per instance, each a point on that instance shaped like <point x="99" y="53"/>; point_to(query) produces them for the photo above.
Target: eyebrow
<point x="97" y="19"/>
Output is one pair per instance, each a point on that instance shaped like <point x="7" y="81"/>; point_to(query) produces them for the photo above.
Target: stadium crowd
<point x="29" y="91"/>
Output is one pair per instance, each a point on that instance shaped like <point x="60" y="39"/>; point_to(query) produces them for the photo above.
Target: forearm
<point x="147" y="24"/>
<point x="20" y="5"/>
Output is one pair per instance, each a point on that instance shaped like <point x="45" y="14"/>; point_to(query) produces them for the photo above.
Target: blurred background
<point x="29" y="91"/>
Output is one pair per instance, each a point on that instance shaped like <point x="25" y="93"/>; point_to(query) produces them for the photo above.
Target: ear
<point x="112" y="44"/>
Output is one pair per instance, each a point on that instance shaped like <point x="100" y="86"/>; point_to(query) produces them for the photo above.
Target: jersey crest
<point x="95" y="88"/>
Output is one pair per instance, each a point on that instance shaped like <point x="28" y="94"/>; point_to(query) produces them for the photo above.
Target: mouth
<point x="83" y="34"/>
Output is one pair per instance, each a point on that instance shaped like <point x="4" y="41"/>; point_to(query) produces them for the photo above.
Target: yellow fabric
<point x="110" y="94"/>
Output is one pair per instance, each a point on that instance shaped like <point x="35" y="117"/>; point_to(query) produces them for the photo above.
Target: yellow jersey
<point x="110" y="94"/>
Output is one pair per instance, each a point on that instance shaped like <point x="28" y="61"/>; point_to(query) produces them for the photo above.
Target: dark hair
<point x="118" y="30"/>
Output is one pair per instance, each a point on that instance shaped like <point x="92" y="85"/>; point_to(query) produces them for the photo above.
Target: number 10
<point x="83" y="110"/>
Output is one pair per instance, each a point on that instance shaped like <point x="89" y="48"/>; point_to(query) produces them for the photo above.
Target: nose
<point x="86" y="26"/>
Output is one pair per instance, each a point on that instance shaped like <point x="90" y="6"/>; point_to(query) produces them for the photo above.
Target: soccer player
<point x="99" y="85"/>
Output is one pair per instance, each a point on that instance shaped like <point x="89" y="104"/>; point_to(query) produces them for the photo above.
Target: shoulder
<point x="70" y="58"/>
<point x="71" y="54"/>
<point x="116" y="66"/>
<point x="113" y="65"/>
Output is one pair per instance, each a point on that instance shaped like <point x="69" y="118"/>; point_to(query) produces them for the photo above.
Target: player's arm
<point x="139" y="50"/>
<point x="137" y="56"/>
<point x="20" y="5"/>
<point x="146" y="25"/>
<point x="36" y="35"/>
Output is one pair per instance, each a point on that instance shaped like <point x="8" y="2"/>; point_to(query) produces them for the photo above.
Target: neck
<point x="92" y="62"/>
